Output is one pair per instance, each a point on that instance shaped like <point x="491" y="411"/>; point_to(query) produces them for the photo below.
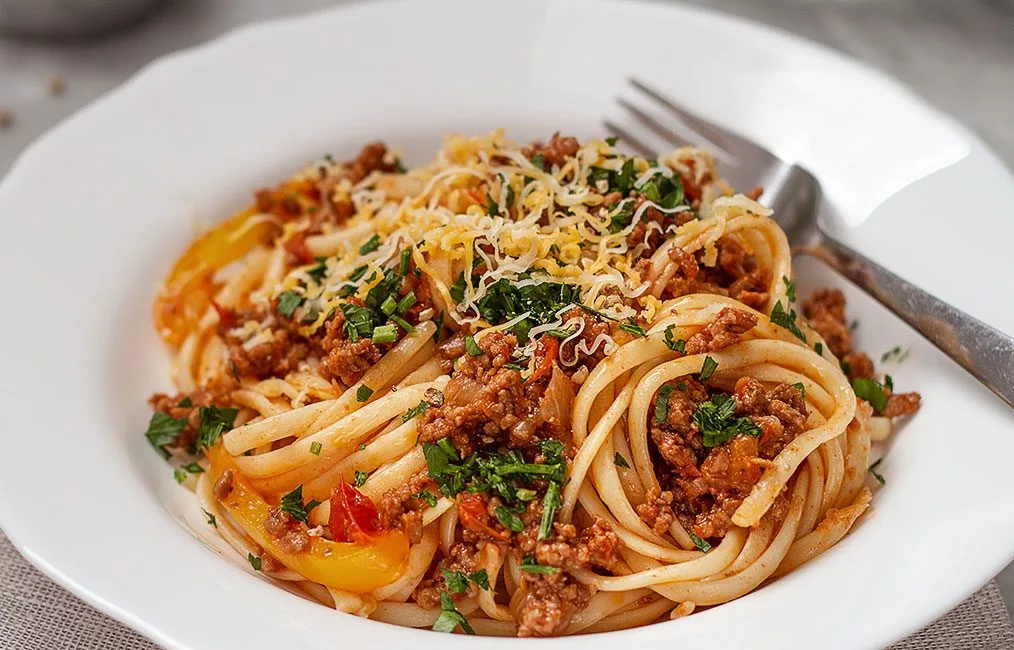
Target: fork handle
<point x="986" y="353"/>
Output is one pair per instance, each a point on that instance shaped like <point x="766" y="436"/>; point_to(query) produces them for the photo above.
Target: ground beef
<point x="399" y="509"/>
<point x="654" y="237"/>
<point x="556" y="153"/>
<point x="901" y="404"/>
<point x="450" y="350"/>
<point x="345" y="359"/>
<point x="725" y="330"/>
<point x="485" y="403"/>
<point x="825" y="311"/>
<point x="656" y="511"/>
<point x="463" y="557"/>
<point x="281" y="351"/>
<point x="735" y="274"/>
<point x="573" y="358"/>
<point x="727" y="476"/>
<point x="704" y="486"/>
<point x="550" y="602"/>
<point x="780" y="412"/>
<point x="216" y="394"/>
<point x="566" y="548"/>
<point x="290" y="534"/>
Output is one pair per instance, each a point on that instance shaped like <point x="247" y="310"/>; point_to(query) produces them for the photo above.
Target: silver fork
<point x="794" y="195"/>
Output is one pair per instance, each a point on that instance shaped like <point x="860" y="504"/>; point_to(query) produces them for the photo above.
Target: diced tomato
<point x="550" y="346"/>
<point x="473" y="515"/>
<point x="353" y="518"/>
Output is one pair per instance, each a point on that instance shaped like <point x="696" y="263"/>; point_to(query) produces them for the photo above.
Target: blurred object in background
<point x="70" y="18"/>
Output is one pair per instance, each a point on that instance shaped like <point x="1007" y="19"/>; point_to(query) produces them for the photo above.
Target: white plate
<point x="94" y="213"/>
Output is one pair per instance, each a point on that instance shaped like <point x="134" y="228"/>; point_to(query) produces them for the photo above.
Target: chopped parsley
<point x="897" y="353"/>
<point x="528" y="564"/>
<point x="872" y="469"/>
<point x="315" y="448"/>
<point x="363" y="393"/>
<point x="787" y="319"/>
<point x="180" y="474"/>
<point x="288" y="301"/>
<point x="456" y="581"/>
<point x="510" y="520"/>
<point x="662" y="403"/>
<point x="870" y="391"/>
<point x="426" y="496"/>
<point x="372" y="244"/>
<point x="620" y="461"/>
<point x="889" y="383"/>
<point x="414" y="411"/>
<point x="214" y="422"/>
<point x="674" y="344"/>
<point x="701" y="544"/>
<point x="800" y="387"/>
<point x="818" y="347"/>
<point x="539" y="161"/>
<point x="612" y="140"/>
<point x="708" y="368"/>
<point x="318" y="272"/>
<point x="292" y="503"/>
<point x="186" y="402"/>
<point x="163" y="430"/>
<point x="183" y="471"/>
<point x="360" y="478"/>
<point x="504" y="301"/>
<point x="254" y="561"/>
<point x="790" y="289"/>
<point x="550" y="503"/>
<point x="450" y="618"/>
<point x="715" y="421"/>
<point x="631" y="327"/>
<point x="385" y="334"/>
<point x="471" y="347"/>
<point x="480" y="578"/>
<point x="621" y="216"/>
<point x="492" y="207"/>
<point x="212" y="521"/>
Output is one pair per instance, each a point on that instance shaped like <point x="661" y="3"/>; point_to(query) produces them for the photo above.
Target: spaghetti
<point x="519" y="391"/>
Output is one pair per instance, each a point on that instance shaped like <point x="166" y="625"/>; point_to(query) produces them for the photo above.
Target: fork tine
<point x="654" y="125"/>
<point x="727" y="140"/>
<point x="629" y="140"/>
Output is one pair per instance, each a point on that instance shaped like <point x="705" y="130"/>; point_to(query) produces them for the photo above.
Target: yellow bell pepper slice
<point x="357" y="568"/>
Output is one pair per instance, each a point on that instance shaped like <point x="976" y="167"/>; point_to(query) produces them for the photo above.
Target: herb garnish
<point x="360" y="478"/>
<point x="790" y="289"/>
<point x="254" y="561"/>
<point x="288" y="301"/>
<point x="292" y="503"/>
<point x="662" y="403"/>
<point x="674" y="344"/>
<point x="214" y="421"/>
<point x="212" y="521"/>
<point x="632" y="327"/>
<point x="450" y="618"/>
<point x="372" y="244"/>
<point x="708" y="368"/>
<point x="315" y="448"/>
<point x="163" y="430"/>
<point x="414" y="411"/>
<point x="363" y="393"/>
<point x="426" y="496"/>
<point x="700" y="543"/>
<point x="872" y="469"/>
<point x="715" y="421"/>
<point x="787" y="320"/>
<point x="528" y="564"/>
<point x="870" y="391"/>
<point x="620" y="461"/>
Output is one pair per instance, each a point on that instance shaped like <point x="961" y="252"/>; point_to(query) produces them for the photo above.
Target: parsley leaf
<point x="510" y="520"/>
<point x="631" y="327"/>
<point x="708" y="368"/>
<point x="612" y="140"/>
<point x="870" y="391"/>
<point x="471" y="347"/>
<point x="700" y="543"/>
<point x="186" y="402"/>
<point x="292" y="503"/>
<point x="528" y="564"/>
<point x="288" y="301"/>
<point x="372" y="244"/>
<point x="872" y="469"/>
<point x="790" y="289"/>
<point x="414" y="411"/>
<point x="621" y="216"/>
<point x="211" y="518"/>
<point x="897" y="352"/>
<point x="163" y="430"/>
<point x="363" y="393"/>
<point x="539" y="161"/>
<point x="674" y="344"/>
<point x="481" y="578"/>
<point x="426" y="496"/>
<point x="818" y="347"/>
<point x="456" y="581"/>
<point x="254" y="561"/>
<point x="800" y="387"/>
<point x="787" y="320"/>
<point x="315" y="448"/>
<point x="620" y="461"/>
<point x="662" y="403"/>
<point x="450" y="618"/>
<point x="550" y="504"/>
<point x="360" y="478"/>
<point x="715" y="421"/>
<point x="214" y="422"/>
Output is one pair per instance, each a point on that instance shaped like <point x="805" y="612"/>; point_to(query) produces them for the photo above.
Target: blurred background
<point x="58" y="55"/>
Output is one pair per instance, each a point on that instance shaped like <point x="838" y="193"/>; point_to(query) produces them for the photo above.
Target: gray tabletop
<point x="958" y="54"/>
